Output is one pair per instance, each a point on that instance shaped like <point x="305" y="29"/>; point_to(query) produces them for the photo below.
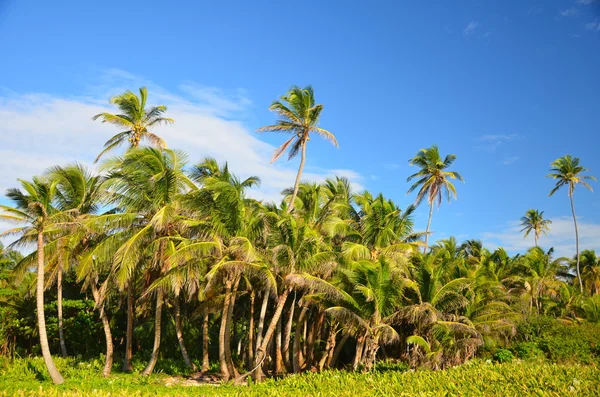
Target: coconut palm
<point x="567" y="171"/>
<point x="34" y="210"/>
<point x="299" y="117"/>
<point x="135" y="119"/>
<point x="434" y="179"/>
<point x="534" y="221"/>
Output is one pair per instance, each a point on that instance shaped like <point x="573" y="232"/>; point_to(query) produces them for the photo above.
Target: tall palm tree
<point x="299" y="117"/>
<point x="34" y="209"/>
<point x="567" y="172"/>
<point x="434" y="179"/>
<point x="534" y="221"/>
<point x="135" y="119"/>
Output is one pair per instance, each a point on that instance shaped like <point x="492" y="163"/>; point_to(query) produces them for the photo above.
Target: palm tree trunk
<point x="205" y="340"/>
<point x="298" y="176"/>
<point x="157" y="333"/>
<point x="336" y="353"/>
<point x="360" y="345"/>
<point x="107" y="333"/>
<point x="287" y="333"/>
<point x="129" y="335"/>
<point x="262" y="349"/>
<point x="279" y="366"/>
<point x="59" y="304"/>
<point x="54" y="374"/>
<point x="179" y="333"/>
<point x="251" y="331"/>
<point x="535" y="237"/>
<point x="428" y="225"/>
<point x="576" y="239"/>
<point x="225" y="374"/>
<point x="261" y="319"/>
<point x="232" y="370"/>
<point x="298" y="360"/>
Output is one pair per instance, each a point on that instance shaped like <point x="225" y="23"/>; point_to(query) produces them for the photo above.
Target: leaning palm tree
<point x="534" y="221"/>
<point x="35" y="211"/>
<point x="567" y="172"/>
<point x="135" y="119"/>
<point x="433" y="179"/>
<point x="299" y="117"/>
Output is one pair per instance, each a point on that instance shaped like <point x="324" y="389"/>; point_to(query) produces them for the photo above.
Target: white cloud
<point x="561" y="236"/>
<point x="509" y="160"/>
<point x="471" y="27"/>
<point x="595" y="25"/>
<point x="493" y="142"/>
<point x="586" y="2"/>
<point x="40" y="130"/>
<point x="570" y="12"/>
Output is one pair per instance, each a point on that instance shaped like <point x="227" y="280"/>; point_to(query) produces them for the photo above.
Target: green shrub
<point x="528" y="351"/>
<point x="503" y="356"/>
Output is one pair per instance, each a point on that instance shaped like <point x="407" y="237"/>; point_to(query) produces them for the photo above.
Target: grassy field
<point x="24" y="378"/>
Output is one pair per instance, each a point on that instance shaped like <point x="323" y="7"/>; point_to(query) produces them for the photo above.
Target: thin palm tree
<point x="567" y="172"/>
<point x="34" y="209"/>
<point x="135" y="119"/>
<point x="299" y="117"/>
<point x="534" y="221"/>
<point x="434" y="179"/>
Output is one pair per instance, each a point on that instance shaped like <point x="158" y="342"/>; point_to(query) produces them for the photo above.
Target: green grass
<point x="24" y="377"/>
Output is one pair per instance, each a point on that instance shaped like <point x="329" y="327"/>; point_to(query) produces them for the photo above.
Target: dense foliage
<point x="166" y="262"/>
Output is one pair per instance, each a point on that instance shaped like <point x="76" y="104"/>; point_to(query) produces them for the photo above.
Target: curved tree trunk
<point x="360" y="346"/>
<point x="232" y="370"/>
<point x="329" y="348"/>
<point x="576" y="238"/>
<point x="336" y="353"/>
<point x="205" y="340"/>
<point x="287" y="333"/>
<point x="261" y="320"/>
<point x="107" y="333"/>
<point x="223" y="338"/>
<point x="279" y="367"/>
<point x="428" y="225"/>
<point x="298" y="360"/>
<point x="59" y="307"/>
<point x="129" y="335"/>
<point x="157" y="333"/>
<point x="298" y="176"/>
<point x="54" y="374"/>
<point x="179" y="333"/>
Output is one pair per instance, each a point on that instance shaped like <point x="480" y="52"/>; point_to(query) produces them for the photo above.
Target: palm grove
<point x="177" y="260"/>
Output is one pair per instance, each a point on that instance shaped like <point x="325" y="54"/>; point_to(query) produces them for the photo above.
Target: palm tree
<point x="433" y="179"/>
<point x="135" y="119"/>
<point x="567" y="172"/>
<point x="299" y="117"/>
<point x="34" y="209"/>
<point x="534" y="221"/>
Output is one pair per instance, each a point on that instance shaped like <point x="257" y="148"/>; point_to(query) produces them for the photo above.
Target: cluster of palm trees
<point x="326" y="278"/>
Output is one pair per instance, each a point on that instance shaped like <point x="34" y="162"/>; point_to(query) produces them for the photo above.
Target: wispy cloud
<point x="493" y="142"/>
<point x="570" y="12"/>
<point x="586" y="2"/>
<point x="509" y="160"/>
<point x="595" y="25"/>
<point x="471" y="27"/>
<point x="561" y="236"/>
<point x="40" y="130"/>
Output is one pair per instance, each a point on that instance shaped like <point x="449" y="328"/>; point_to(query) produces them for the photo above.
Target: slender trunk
<point x="251" y="331"/>
<point x="261" y="320"/>
<point x="298" y="176"/>
<point x="576" y="239"/>
<point x="262" y="349"/>
<point x="336" y="353"/>
<point x="54" y="374"/>
<point x="428" y="225"/>
<point x="107" y="333"/>
<point x="298" y="360"/>
<point x="313" y="334"/>
<point x="225" y="374"/>
<point x="278" y="356"/>
<point x="59" y="304"/>
<point x="179" y="333"/>
<point x="157" y="332"/>
<point x="205" y="340"/>
<point x="287" y="333"/>
<point x="535" y="238"/>
<point x="329" y="348"/>
<point x="232" y="370"/>
<point x="129" y="335"/>
<point x="360" y="345"/>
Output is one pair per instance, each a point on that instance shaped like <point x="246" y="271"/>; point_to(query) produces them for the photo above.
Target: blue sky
<point x="508" y="86"/>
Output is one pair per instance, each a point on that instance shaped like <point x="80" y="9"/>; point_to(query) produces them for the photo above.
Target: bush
<point x="503" y="356"/>
<point x="528" y="351"/>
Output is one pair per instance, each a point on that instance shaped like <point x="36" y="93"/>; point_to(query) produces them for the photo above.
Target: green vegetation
<point x="161" y="265"/>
